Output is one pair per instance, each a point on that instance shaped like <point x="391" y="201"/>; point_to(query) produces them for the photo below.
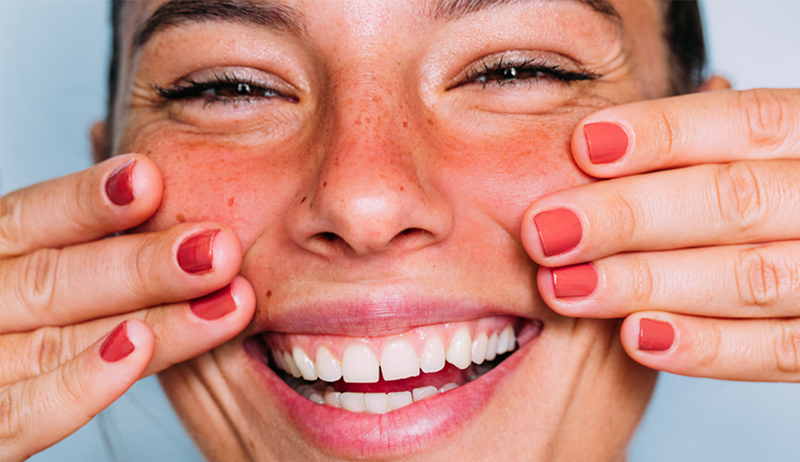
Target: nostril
<point x="410" y="234"/>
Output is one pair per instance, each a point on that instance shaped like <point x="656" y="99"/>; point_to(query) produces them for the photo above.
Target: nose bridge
<point x="368" y="193"/>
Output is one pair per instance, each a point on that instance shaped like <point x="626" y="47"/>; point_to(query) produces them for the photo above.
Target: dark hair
<point x="683" y="33"/>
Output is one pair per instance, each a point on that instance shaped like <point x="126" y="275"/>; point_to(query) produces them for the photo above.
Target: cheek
<point x="245" y="187"/>
<point x="504" y="173"/>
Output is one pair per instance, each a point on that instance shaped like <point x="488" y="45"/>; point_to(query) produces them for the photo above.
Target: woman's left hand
<point x="695" y="239"/>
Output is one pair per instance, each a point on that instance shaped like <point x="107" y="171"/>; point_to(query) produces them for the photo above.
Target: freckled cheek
<point x="505" y="174"/>
<point x="242" y="187"/>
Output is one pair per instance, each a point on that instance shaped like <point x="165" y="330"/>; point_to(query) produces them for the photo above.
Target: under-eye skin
<point x="222" y="88"/>
<point x="515" y="71"/>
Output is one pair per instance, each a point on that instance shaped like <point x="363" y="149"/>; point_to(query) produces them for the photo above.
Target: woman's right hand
<point x="83" y="317"/>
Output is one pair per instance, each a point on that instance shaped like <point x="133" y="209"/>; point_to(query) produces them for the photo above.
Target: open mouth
<point x="378" y="375"/>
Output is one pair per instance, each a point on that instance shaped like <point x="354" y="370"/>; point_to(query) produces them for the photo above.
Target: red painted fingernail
<point x="574" y="281"/>
<point x="117" y="346"/>
<point x="214" y="305"/>
<point x="119" y="186"/>
<point x="196" y="254"/>
<point x="655" y="335"/>
<point x="607" y="142"/>
<point x="559" y="230"/>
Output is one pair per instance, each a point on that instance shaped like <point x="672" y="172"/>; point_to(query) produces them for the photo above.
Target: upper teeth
<point x="398" y="359"/>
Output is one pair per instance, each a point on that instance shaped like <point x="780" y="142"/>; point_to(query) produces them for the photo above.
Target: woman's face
<point x="376" y="159"/>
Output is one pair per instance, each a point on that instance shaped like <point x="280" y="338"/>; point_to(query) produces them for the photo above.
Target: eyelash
<point x="244" y="90"/>
<point x="503" y="72"/>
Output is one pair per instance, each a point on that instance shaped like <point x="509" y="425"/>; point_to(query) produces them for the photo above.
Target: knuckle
<point x="12" y="239"/>
<point x="787" y="347"/>
<point x="669" y="138"/>
<point x="763" y="277"/>
<point x="768" y="119"/>
<point x="706" y="350"/>
<point x="642" y="282"/>
<point x="49" y="348"/>
<point x="626" y="219"/>
<point x="741" y="197"/>
<point x="9" y="420"/>
<point x="39" y="273"/>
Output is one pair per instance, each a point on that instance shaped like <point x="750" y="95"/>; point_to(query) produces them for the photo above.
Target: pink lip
<point x="407" y="430"/>
<point x="379" y="316"/>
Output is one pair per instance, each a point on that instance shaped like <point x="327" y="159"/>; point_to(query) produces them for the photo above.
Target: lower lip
<point x="410" y="429"/>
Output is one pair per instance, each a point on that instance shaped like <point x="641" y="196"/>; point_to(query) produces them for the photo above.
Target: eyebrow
<point x="274" y="15"/>
<point x="269" y="14"/>
<point x="454" y="9"/>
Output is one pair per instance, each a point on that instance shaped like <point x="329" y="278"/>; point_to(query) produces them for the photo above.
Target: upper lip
<point x="382" y="315"/>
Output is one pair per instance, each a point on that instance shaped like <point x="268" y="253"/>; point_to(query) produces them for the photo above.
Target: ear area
<point x="714" y="83"/>
<point x="100" y="147"/>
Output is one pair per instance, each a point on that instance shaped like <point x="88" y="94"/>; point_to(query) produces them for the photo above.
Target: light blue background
<point x="52" y="86"/>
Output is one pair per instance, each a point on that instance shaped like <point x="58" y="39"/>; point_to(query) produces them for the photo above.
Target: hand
<point x="696" y="239"/>
<point x="64" y="289"/>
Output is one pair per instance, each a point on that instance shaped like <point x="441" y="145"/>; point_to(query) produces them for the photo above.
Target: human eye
<point x="513" y="70"/>
<point x="226" y="87"/>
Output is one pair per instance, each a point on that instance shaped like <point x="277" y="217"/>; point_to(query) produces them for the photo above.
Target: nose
<point x="372" y="192"/>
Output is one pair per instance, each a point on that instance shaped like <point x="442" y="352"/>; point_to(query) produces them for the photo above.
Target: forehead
<point x="145" y="18"/>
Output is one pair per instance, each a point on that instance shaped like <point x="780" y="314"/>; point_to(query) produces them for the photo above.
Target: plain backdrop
<point x="52" y="87"/>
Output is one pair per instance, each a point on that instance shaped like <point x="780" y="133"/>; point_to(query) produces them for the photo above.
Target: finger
<point x="766" y="350"/>
<point x="182" y="331"/>
<point x="40" y="412"/>
<point x="729" y="281"/>
<point x="742" y="202"/>
<point x="112" y="196"/>
<point x="113" y="276"/>
<point x="712" y="127"/>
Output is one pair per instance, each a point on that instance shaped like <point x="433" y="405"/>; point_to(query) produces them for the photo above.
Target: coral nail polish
<point x="119" y="186"/>
<point x="117" y="346"/>
<point x="655" y="335"/>
<point x="195" y="255"/>
<point x="559" y="230"/>
<point x="607" y="142"/>
<point x="574" y="281"/>
<point x="214" y="305"/>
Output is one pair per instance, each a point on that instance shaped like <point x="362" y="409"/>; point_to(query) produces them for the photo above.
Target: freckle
<point x="231" y="201"/>
<point x="180" y="218"/>
<point x="430" y="122"/>
<point x="401" y="188"/>
<point x="302" y="200"/>
<point x="357" y="122"/>
<point x="405" y="124"/>
<point x="269" y="293"/>
<point x="367" y="119"/>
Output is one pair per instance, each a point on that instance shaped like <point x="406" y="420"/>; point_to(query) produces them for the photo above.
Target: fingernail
<point x="607" y="142"/>
<point x="214" y="305"/>
<point x="117" y="346"/>
<point x="195" y="254"/>
<point x="119" y="186"/>
<point x="559" y="230"/>
<point x="574" y="281"/>
<point x="655" y="335"/>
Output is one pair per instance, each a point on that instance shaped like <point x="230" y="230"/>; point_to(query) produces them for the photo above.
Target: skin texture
<point x="380" y="121"/>
<point x="393" y="175"/>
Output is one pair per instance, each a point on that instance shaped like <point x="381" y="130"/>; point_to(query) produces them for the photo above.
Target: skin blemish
<point x="181" y="218"/>
<point x="231" y="201"/>
<point x="303" y="200"/>
<point x="269" y="293"/>
<point x="325" y="184"/>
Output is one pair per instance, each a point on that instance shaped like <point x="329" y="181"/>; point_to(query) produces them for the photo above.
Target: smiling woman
<point x="371" y="229"/>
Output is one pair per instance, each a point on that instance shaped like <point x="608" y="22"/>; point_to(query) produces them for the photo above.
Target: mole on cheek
<point x="181" y="218"/>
